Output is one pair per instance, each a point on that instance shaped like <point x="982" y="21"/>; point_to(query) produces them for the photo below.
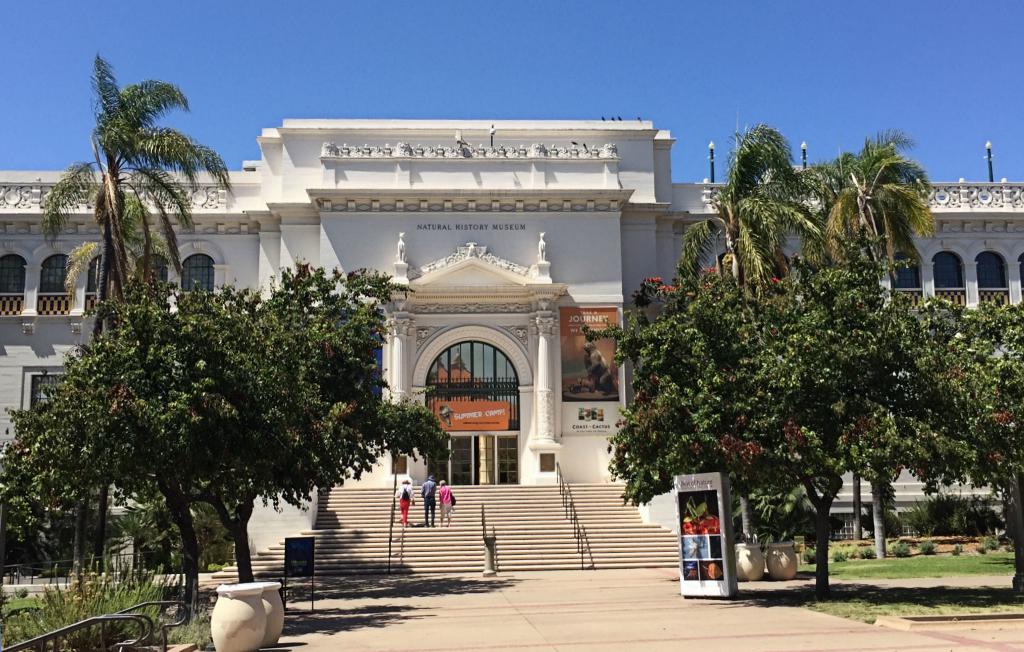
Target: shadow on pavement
<point x="405" y="585"/>
<point x="935" y="597"/>
<point x="332" y="618"/>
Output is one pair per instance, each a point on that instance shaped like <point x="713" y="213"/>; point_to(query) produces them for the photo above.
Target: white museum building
<point x="510" y="234"/>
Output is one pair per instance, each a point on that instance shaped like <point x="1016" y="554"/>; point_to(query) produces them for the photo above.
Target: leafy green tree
<point x="224" y="398"/>
<point x="816" y="377"/>
<point x="882" y="191"/>
<point x="139" y="183"/>
<point x="983" y="350"/>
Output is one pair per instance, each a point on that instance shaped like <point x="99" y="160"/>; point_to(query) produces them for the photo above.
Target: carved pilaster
<point x="545" y="393"/>
<point x="399" y="329"/>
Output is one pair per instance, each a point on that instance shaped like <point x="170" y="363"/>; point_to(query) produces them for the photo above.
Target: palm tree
<point x="762" y="202"/>
<point x="139" y="183"/>
<point x="882" y="191"/>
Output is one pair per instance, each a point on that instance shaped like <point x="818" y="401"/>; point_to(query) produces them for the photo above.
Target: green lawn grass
<point x="996" y="563"/>
<point x="866" y="603"/>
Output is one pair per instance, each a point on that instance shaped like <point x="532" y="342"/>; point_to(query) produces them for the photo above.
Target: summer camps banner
<point x="589" y="373"/>
<point x="457" y="415"/>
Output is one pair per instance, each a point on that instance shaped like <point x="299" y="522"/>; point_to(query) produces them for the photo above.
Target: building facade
<point x="510" y="236"/>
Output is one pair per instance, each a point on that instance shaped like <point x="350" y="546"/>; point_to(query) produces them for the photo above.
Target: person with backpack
<point x="444" y="494"/>
<point x="404" y="496"/>
<point x="429" y="493"/>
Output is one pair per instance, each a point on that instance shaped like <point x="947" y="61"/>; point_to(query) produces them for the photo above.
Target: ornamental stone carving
<point x="473" y="250"/>
<point x="521" y="333"/>
<point x="331" y="150"/>
<point x="33" y="197"/>
<point x="16" y="196"/>
<point x="987" y="195"/>
<point x="472" y="308"/>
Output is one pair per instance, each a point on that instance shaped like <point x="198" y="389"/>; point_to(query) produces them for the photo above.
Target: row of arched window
<point x="52" y="299"/>
<point x="948" y="276"/>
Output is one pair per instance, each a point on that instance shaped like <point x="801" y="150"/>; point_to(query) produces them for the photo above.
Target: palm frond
<point x="104" y="85"/>
<point x="144" y="103"/>
<point x="697" y="245"/>
<point x="76" y="187"/>
<point x="79" y="260"/>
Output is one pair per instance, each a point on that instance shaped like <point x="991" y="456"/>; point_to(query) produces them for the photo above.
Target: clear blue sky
<point x="948" y="73"/>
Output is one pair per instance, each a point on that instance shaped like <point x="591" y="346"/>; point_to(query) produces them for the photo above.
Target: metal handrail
<point x="40" y="642"/>
<point x="16" y="573"/>
<point x="579" y="531"/>
<point x="182" y="610"/>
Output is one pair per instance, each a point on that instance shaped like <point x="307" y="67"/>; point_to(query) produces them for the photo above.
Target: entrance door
<point x="481" y="459"/>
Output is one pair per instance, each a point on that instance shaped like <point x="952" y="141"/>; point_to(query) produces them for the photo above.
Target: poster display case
<point x="707" y="567"/>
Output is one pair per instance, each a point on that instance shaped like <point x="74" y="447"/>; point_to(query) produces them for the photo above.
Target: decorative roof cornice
<point x="460" y="200"/>
<point x="331" y="151"/>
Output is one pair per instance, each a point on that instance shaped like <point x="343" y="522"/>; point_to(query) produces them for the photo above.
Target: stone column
<point x="399" y="331"/>
<point x="927" y="278"/>
<point x="971" y="282"/>
<point x="544" y="388"/>
<point x="1013" y="278"/>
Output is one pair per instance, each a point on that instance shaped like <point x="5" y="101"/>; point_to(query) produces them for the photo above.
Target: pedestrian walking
<point x="444" y="494"/>
<point x="404" y="496"/>
<point x="429" y="493"/>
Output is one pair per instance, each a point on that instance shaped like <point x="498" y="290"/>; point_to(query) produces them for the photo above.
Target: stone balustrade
<point x="22" y="197"/>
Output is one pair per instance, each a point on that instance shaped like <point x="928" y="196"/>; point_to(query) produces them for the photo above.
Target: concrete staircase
<point x="532" y="532"/>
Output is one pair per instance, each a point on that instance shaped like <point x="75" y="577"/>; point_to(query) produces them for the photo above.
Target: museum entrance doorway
<point x="474" y="391"/>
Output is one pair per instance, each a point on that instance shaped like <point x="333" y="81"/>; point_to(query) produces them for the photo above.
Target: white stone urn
<point x="239" y="619"/>
<point x="782" y="560"/>
<point x="274" y="608"/>
<point x="749" y="562"/>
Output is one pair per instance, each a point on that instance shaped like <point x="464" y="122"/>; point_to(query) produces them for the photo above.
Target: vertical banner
<point x="588" y="368"/>
<point x="707" y="565"/>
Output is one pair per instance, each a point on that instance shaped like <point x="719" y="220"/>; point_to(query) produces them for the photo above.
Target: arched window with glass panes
<point x="948" y="274"/>
<point x="907" y="277"/>
<point x="197" y="273"/>
<point x="992" y="284"/>
<point x="53" y="296"/>
<point x="12" y="284"/>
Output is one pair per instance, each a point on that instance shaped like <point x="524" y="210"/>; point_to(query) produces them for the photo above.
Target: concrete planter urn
<point x="782" y="560"/>
<point x="749" y="562"/>
<point x="239" y="619"/>
<point x="274" y="608"/>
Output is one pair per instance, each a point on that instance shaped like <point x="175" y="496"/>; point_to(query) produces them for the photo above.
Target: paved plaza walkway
<point x="593" y="610"/>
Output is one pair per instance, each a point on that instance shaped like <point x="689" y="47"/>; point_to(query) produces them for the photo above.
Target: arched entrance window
<point x="908" y="274"/>
<point x="992" y="277"/>
<point x="53" y="297"/>
<point x="474" y="391"/>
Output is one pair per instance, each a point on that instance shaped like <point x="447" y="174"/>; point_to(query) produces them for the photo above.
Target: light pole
<point x="803" y="154"/>
<point x="711" y="158"/>
<point x="3" y="515"/>
<point x="988" y="155"/>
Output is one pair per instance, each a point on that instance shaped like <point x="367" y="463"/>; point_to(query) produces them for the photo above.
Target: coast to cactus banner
<point x="589" y="372"/>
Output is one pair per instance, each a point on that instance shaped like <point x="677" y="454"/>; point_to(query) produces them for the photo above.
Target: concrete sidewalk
<point x="590" y="610"/>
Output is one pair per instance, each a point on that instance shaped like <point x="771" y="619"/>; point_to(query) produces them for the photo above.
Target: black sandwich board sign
<point x="299" y="561"/>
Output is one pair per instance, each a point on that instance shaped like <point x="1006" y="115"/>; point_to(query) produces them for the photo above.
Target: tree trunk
<point x="1015" y="528"/>
<point x="102" y="283"/>
<point x="181" y="514"/>
<point x="99" y="543"/>
<point x="238" y="526"/>
<point x="878" y="516"/>
<point x="747" y="519"/>
<point x="822" y="533"/>
<point x="78" y="547"/>
<point x="858" y="531"/>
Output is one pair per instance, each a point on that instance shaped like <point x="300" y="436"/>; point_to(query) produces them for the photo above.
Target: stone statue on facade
<point x="542" y="249"/>
<point x="400" y="251"/>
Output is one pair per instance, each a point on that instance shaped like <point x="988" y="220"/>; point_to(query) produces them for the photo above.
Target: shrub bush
<point x="810" y="556"/>
<point x="93" y="596"/>
<point x="957" y="549"/>
<point x="900" y="549"/>
<point x="990" y="544"/>
<point x="839" y="555"/>
<point x="927" y="547"/>
<point x="867" y="553"/>
<point x="949" y="514"/>
<point x="982" y="550"/>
